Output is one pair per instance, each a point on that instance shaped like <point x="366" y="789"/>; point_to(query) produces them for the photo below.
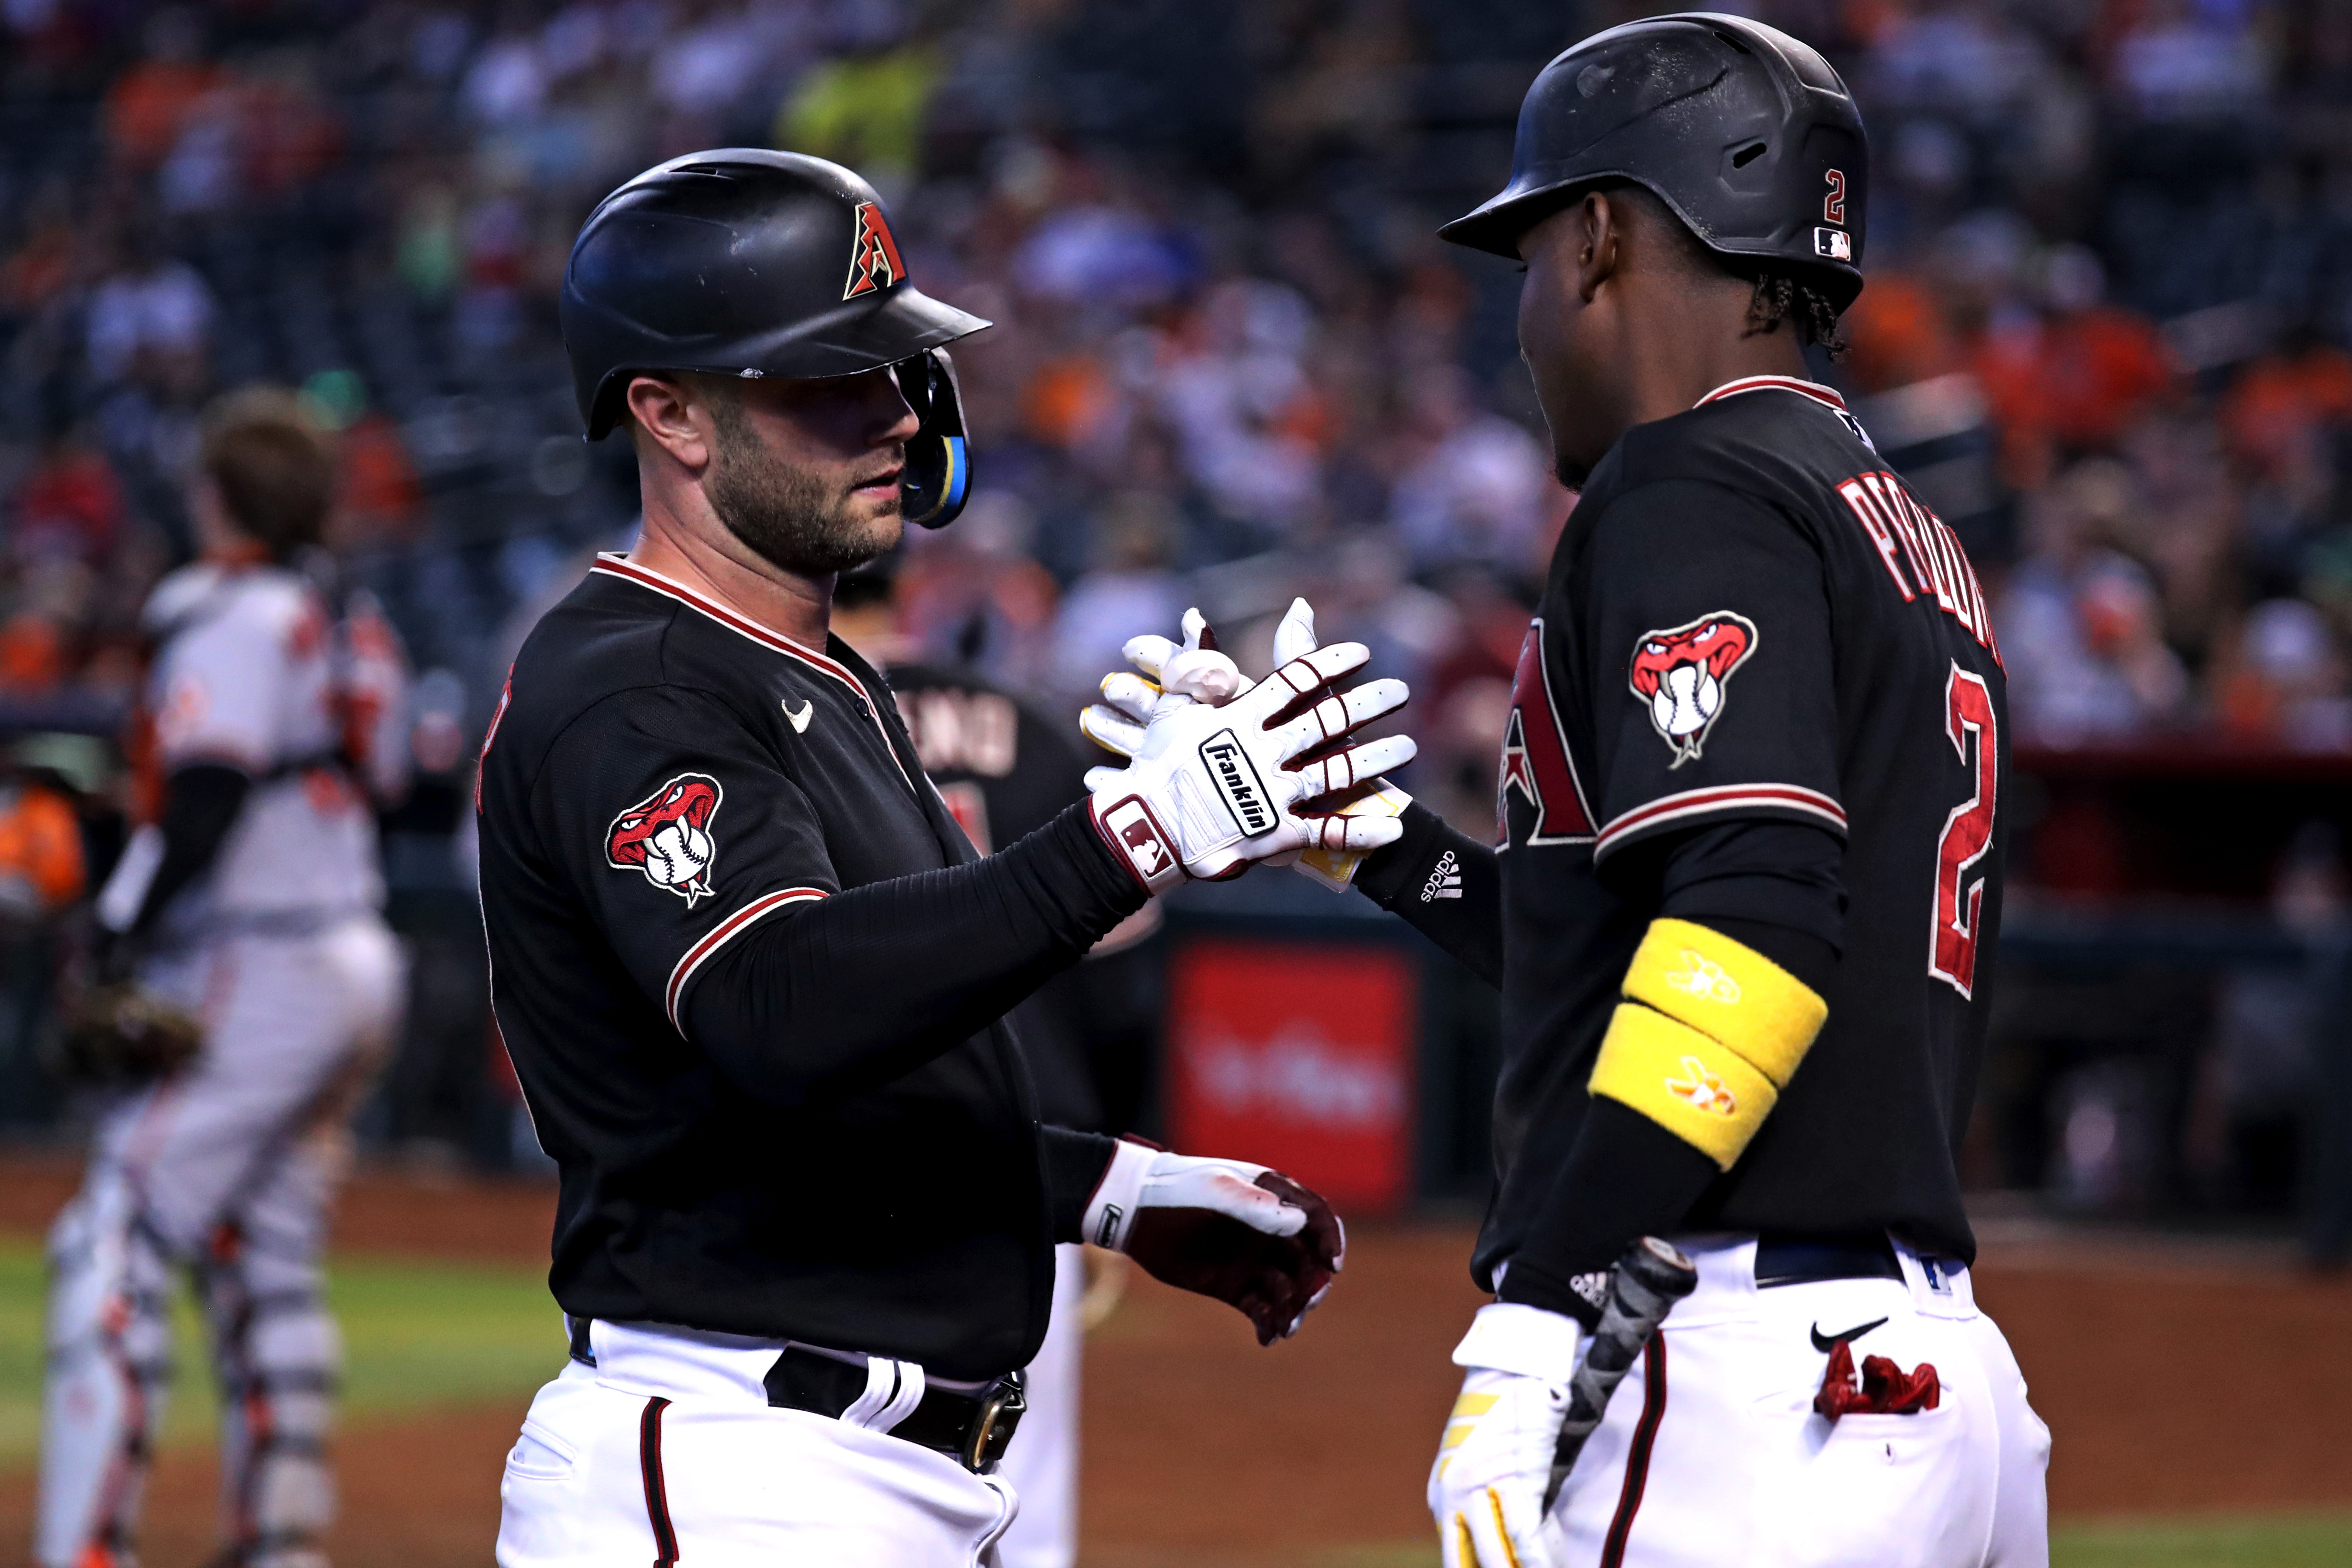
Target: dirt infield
<point x="2175" y="1379"/>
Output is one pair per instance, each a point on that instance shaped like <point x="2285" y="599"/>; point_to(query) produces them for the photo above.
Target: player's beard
<point x="786" y="514"/>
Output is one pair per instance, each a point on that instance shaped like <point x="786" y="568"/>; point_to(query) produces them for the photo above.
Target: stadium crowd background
<point x="2110" y="260"/>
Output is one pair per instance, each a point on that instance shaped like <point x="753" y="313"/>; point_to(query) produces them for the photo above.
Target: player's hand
<point x="1175" y="675"/>
<point x="1209" y="790"/>
<point x="1494" y="1464"/>
<point x="1245" y="1234"/>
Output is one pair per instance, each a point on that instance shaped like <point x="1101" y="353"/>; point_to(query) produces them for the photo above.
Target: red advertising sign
<point x="1297" y="1055"/>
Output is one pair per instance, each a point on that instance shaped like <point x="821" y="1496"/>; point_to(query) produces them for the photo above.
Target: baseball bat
<point x="1642" y="1288"/>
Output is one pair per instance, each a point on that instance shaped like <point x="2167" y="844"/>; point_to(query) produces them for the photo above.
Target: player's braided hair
<point x="1781" y="294"/>
<point x="1780" y="298"/>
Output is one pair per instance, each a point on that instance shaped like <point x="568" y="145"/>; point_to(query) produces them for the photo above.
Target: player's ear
<point x="665" y="414"/>
<point x="1597" y="234"/>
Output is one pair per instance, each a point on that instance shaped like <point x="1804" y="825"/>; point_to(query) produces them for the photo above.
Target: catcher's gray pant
<point x="224" y="1169"/>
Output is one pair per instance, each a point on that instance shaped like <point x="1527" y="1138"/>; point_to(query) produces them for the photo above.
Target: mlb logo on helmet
<point x="873" y="254"/>
<point x="667" y="837"/>
<point x="1834" y="243"/>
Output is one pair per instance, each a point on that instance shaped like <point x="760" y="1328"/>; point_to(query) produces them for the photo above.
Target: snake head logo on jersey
<point x="666" y="836"/>
<point x="1683" y="676"/>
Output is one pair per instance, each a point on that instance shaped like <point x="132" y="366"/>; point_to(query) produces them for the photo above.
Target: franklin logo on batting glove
<point x="1244" y="791"/>
<point x="667" y="837"/>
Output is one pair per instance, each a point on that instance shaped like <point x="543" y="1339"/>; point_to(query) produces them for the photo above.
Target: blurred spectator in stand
<point x="153" y="308"/>
<point x="148" y="105"/>
<point x="41" y="872"/>
<point x="1130" y="590"/>
<point x="2186" y="62"/>
<point x="2286" y="683"/>
<point x="865" y="109"/>
<point x="379" y="502"/>
<point x="69" y="504"/>
<point x="2081" y="626"/>
<point x="2077" y="374"/>
<point x="1475" y="487"/>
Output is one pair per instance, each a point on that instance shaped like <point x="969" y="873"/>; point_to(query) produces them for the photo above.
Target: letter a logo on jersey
<point x="667" y="837"/>
<point x="1535" y="758"/>
<point x="873" y="255"/>
<point x="1683" y="675"/>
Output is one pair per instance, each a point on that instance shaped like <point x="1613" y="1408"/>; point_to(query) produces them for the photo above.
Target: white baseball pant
<point x="667" y="1451"/>
<point x="1041" y="1465"/>
<point x="1710" y="1451"/>
<point x="224" y="1169"/>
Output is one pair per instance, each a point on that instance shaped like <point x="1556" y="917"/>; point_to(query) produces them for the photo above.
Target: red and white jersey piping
<point x="1825" y="395"/>
<point x="1718" y="800"/>
<point x="628" y="571"/>
<point x="722" y="933"/>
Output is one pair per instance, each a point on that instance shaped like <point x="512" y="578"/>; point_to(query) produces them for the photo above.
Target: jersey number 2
<point x="1967" y="833"/>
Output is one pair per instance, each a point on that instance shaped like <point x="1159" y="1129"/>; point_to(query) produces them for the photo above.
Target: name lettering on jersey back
<point x="1535" y="758"/>
<point x="1921" y="554"/>
<point x="956" y="730"/>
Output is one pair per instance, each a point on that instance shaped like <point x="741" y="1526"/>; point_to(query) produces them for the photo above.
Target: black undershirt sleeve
<point x="1773" y="887"/>
<point x="199" y="805"/>
<point x="1075" y="1162"/>
<point x="853" y="990"/>
<point x="1410" y="878"/>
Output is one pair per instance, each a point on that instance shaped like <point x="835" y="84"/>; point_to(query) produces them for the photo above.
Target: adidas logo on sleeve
<point x="1444" y="880"/>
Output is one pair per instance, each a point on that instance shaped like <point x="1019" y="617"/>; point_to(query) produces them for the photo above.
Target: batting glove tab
<point x="1248" y="1236"/>
<point x="1327" y="844"/>
<point x="1486" y="1491"/>
<point x="1211" y="789"/>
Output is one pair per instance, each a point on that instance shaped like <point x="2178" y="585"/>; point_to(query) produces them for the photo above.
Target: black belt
<point x="971" y="1428"/>
<point x="1786" y="1260"/>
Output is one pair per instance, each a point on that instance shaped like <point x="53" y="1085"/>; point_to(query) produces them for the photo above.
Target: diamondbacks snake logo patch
<point x="667" y="837"/>
<point x="1683" y="676"/>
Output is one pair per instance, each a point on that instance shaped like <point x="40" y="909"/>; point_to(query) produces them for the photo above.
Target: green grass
<point x="416" y="1334"/>
<point x="2312" y="1541"/>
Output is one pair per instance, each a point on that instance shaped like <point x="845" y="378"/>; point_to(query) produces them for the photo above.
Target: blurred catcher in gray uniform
<point x="245" y="987"/>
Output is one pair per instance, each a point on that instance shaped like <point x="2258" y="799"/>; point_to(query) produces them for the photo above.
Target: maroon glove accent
<point x="1882" y="1389"/>
<point x="1273" y="1279"/>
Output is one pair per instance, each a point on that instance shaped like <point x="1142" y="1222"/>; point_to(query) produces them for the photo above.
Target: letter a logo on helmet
<point x="873" y="255"/>
<point x="1681" y="676"/>
<point x="667" y="837"/>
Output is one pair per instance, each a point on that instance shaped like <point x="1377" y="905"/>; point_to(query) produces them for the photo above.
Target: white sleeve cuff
<point x="1111" y="1211"/>
<point x="1511" y="1336"/>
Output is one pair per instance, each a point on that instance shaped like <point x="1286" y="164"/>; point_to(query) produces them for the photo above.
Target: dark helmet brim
<point x="855" y="336"/>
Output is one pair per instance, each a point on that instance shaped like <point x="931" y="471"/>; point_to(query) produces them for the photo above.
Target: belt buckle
<point x="991" y="1431"/>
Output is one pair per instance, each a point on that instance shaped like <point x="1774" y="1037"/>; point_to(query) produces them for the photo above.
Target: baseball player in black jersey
<point x="753" y="976"/>
<point x="1746" y="879"/>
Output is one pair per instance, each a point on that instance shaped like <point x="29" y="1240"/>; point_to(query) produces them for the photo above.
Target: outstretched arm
<point x="1445" y="885"/>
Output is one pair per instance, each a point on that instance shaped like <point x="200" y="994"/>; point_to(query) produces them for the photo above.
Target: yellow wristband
<point x="1697" y="1089"/>
<point x="1729" y="991"/>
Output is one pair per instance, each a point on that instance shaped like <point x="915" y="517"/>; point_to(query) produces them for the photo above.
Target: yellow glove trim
<point x="1729" y="991"/>
<point x="1697" y="1089"/>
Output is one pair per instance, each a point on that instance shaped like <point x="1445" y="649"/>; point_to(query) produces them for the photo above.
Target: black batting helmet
<point x="751" y="263"/>
<point x="1747" y="134"/>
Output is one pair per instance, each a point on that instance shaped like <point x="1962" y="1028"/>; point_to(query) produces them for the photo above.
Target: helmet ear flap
<point x="938" y="461"/>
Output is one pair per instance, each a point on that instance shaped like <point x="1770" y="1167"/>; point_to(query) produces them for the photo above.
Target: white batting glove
<point x="1494" y="1464"/>
<point x="1208" y="790"/>
<point x="1242" y="1233"/>
<point x="1195" y="670"/>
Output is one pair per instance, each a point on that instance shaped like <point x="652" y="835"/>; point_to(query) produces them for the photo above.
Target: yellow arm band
<point x="1695" y="1088"/>
<point x="1729" y="991"/>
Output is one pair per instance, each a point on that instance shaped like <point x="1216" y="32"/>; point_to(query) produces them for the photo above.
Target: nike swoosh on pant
<point x="1828" y="1343"/>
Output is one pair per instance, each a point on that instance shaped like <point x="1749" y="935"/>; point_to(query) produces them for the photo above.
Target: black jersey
<point x="752" y="978"/>
<point x="1748" y="617"/>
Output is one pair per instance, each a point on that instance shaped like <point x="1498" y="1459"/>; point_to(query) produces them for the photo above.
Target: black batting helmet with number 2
<point x="1748" y="134"/>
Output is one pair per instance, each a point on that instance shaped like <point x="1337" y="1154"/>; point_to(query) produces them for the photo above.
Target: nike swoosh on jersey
<point x="1828" y="1343"/>
<point x="800" y="720"/>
